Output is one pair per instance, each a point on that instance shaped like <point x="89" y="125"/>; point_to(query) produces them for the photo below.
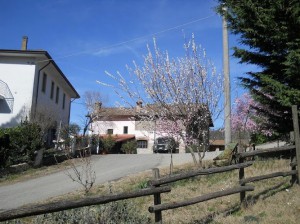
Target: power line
<point x="132" y="40"/>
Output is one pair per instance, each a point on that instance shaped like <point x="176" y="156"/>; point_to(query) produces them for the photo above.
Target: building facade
<point x="32" y="86"/>
<point x="133" y="122"/>
<point x="120" y="122"/>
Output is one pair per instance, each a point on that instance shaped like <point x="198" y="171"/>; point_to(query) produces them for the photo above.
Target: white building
<point x="120" y="123"/>
<point x="31" y="85"/>
<point x="125" y="124"/>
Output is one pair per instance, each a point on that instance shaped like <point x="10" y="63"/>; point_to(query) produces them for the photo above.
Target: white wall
<point x="20" y="79"/>
<point x="25" y="84"/>
<point x="47" y="105"/>
<point x="100" y="127"/>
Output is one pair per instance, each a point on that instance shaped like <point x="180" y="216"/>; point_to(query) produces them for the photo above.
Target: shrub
<point x="4" y="148"/>
<point x="24" y="141"/>
<point x="129" y="147"/>
<point x="108" y="143"/>
<point x="82" y="141"/>
<point x="114" y="212"/>
<point x="53" y="156"/>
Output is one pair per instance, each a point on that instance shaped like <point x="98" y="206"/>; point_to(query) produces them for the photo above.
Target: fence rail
<point x="199" y="199"/>
<point x="156" y="189"/>
<point x="69" y="204"/>
<point x="265" y="151"/>
<point x="182" y="176"/>
<point x="267" y="176"/>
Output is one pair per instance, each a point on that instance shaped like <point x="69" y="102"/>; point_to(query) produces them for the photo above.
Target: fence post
<point x="293" y="158"/>
<point x="157" y="199"/>
<point x="242" y="176"/>
<point x="253" y="149"/>
<point x="297" y="138"/>
<point x="293" y="167"/>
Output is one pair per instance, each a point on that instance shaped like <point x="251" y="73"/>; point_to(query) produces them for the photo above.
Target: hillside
<point x="272" y="201"/>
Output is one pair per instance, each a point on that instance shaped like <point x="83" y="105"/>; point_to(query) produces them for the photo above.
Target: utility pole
<point x="226" y="82"/>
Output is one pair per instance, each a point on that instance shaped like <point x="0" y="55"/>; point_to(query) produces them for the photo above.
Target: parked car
<point x="165" y="145"/>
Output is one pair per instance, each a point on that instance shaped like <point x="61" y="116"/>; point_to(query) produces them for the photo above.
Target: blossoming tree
<point x="182" y="95"/>
<point x="246" y="119"/>
<point x="243" y="114"/>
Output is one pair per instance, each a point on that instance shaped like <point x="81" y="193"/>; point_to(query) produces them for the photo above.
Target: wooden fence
<point x="69" y="204"/>
<point x="242" y="156"/>
<point x="159" y="185"/>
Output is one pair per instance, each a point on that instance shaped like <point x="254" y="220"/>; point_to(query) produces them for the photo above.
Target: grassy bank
<point x="272" y="201"/>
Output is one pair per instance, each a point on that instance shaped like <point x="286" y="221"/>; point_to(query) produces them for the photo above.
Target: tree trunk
<point x="193" y="155"/>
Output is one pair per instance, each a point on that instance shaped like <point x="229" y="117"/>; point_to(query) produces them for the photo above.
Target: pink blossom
<point x="246" y="118"/>
<point x="243" y="116"/>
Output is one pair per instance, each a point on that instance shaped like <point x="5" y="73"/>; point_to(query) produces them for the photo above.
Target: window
<point x="57" y="95"/>
<point x="44" y="84"/>
<point x="125" y="130"/>
<point x="52" y="90"/>
<point x="142" y="144"/>
<point x="110" y="131"/>
<point x="64" y="101"/>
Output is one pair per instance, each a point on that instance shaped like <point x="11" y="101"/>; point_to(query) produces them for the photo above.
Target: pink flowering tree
<point x="243" y="114"/>
<point x="182" y="94"/>
<point x="246" y="119"/>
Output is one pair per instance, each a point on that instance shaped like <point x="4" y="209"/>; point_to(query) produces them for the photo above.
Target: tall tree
<point x="269" y="36"/>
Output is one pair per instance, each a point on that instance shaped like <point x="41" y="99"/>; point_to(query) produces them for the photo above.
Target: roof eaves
<point x="49" y="58"/>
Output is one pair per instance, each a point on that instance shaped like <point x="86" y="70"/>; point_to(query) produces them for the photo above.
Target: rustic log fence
<point x="242" y="189"/>
<point x="39" y="209"/>
<point x="244" y="155"/>
<point x="155" y="189"/>
<point x="294" y="155"/>
<point x="158" y="185"/>
<point x="158" y="207"/>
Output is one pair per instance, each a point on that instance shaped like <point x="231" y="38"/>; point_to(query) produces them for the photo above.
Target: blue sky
<point x="87" y="38"/>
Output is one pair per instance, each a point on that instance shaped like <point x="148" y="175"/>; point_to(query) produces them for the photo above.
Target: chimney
<point x="97" y="108"/>
<point x="24" y="43"/>
<point x="139" y="105"/>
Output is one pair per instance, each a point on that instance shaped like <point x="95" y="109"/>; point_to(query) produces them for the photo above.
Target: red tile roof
<point x="120" y="138"/>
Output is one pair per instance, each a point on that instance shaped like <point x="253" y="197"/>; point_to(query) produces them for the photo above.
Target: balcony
<point x="6" y="98"/>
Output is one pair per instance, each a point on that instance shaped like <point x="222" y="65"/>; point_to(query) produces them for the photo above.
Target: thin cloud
<point x="122" y="47"/>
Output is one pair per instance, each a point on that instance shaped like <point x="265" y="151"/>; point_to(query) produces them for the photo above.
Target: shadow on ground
<point x="250" y="200"/>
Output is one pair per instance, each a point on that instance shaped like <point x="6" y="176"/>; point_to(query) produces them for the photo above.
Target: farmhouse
<point x="121" y="123"/>
<point x="32" y="86"/>
<point x="127" y="123"/>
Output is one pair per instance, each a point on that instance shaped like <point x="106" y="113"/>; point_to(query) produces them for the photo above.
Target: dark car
<point x="165" y="145"/>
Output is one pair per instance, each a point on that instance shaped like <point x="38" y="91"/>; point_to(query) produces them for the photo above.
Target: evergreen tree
<point x="270" y="38"/>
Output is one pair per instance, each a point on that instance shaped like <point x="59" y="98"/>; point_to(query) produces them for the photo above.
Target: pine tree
<point x="270" y="38"/>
